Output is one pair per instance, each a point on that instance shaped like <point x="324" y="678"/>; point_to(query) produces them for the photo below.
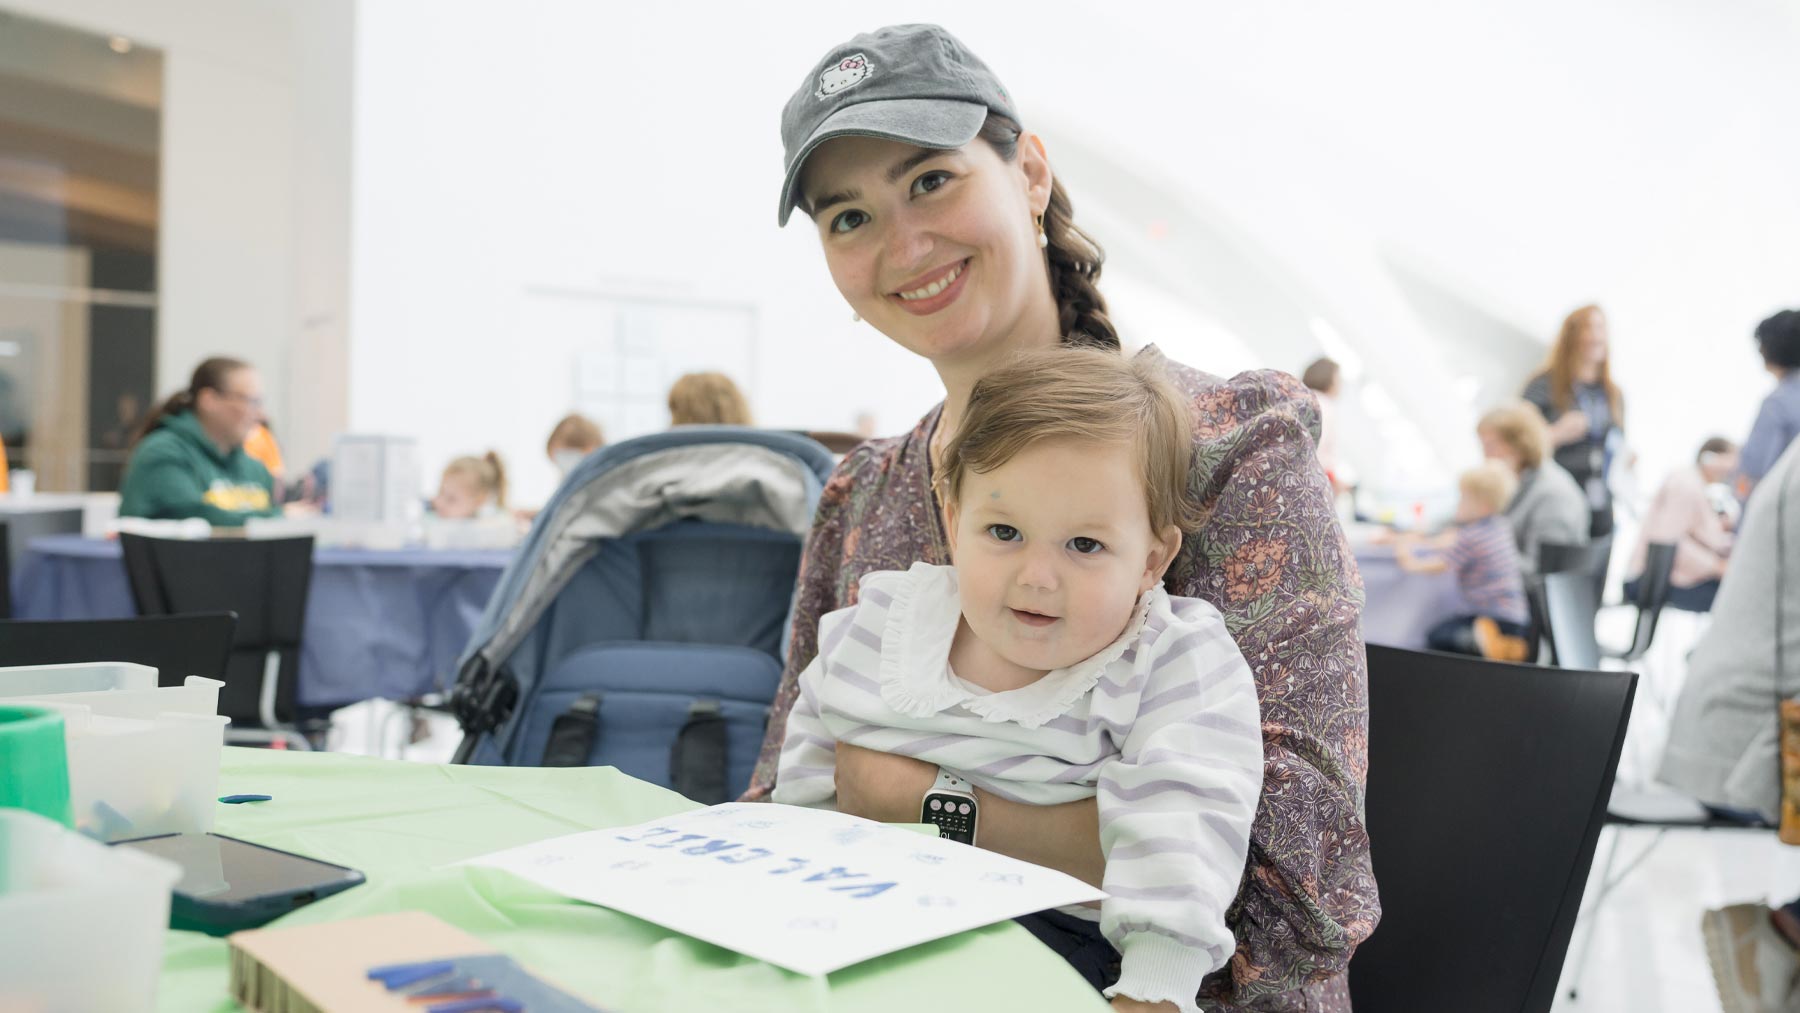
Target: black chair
<point x="266" y="584"/>
<point x="176" y="646"/>
<point x="1569" y="607"/>
<point x="1488" y="785"/>
<point x="1652" y="595"/>
<point x="17" y="529"/>
<point x="1591" y="558"/>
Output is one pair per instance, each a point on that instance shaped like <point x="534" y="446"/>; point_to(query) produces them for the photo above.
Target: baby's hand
<point x="1126" y="1004"/>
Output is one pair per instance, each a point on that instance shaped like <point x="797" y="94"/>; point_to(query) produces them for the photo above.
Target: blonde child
<point x="1480" y="550"/>
<point x="471" y="487"/>
<point x="1048" y="665"/>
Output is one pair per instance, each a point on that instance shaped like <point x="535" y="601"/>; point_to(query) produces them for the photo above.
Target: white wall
<point x="253" y="245"/>
<point x="1258" y="171"/>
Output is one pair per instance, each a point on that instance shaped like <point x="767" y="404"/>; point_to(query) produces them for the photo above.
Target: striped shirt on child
<point x="1486" y="562"/>
<point x="1162" y="726"/>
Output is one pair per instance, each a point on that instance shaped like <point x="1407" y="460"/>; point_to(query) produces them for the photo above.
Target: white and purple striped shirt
<point x="1162" y="726"/>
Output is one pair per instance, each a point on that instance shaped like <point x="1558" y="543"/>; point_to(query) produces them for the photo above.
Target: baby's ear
<point x="1163" y="551"/>
<point x="950" y="528"/>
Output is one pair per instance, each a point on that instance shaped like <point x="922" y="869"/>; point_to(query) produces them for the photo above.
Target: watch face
<point x="953" y="814"/>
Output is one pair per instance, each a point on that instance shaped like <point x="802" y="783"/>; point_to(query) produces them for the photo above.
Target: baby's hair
<point x="486" y="471"/>
<point x="1087" y="395"/>
<point x="1490" y="482"/>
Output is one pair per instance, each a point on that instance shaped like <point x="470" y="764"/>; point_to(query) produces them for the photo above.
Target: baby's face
<point x="1053" y="549"/>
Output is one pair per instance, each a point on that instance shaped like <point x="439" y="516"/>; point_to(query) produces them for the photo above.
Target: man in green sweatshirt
<point x="190" y="460"/>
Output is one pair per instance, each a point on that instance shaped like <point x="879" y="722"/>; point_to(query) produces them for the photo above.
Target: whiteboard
<point x="623" y="352"/>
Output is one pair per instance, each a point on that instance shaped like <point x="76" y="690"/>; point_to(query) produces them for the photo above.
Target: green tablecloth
<point x="399" y="822"/>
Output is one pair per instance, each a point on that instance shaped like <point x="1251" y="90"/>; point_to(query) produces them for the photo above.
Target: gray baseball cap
<point x="911" y="83"/>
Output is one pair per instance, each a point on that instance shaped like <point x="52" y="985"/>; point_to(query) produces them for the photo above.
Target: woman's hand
<point x="881" y="786"/>
<point x="1570" y="427"/>
<point x="1126" y="1004"/>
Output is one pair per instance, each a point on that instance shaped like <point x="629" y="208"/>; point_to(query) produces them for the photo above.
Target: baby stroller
<point x="644" y="621"/>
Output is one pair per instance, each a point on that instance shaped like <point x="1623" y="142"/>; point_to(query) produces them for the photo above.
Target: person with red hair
<point x="1586" y="412"/>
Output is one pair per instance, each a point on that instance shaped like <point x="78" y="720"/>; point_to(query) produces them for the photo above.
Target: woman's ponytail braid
<point x="1074" y="258"/>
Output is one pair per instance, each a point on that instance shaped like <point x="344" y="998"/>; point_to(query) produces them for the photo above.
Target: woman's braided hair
<point x="1074" y="257"/>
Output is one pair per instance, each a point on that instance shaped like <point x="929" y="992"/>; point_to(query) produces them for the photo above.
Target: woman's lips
<point x="1032" y="618"/>
<point x="927" y="305"/>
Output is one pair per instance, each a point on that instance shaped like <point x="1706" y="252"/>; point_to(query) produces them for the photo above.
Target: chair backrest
<point x="176" y="646"/>
<point x="1561" y="557"/>
<point x="1569" y="608"/>
<point x="1487" y="791"/>
<point x="17" y="529"/>
<point x="1591" y="559"/>
<point x="1653" y="594"/>
<point x="264" y="582"/>
<point x="1539" y="635"/>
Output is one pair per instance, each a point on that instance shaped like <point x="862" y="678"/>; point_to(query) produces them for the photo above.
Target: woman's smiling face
<point x="936" y="248"/>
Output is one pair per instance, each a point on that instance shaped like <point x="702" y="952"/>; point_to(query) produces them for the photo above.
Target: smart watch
<point x="951" y="805"/>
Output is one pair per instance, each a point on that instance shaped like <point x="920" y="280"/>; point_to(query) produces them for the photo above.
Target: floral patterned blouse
<point x="1272" y="558"/>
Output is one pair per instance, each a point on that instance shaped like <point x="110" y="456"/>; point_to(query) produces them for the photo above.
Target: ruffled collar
<point x="915" y="657"/>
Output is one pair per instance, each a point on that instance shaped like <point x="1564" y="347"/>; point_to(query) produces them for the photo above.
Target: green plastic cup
<point x="34" y="762"/>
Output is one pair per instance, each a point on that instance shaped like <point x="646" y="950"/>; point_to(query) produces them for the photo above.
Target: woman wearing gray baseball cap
<point x="945" y="229"/>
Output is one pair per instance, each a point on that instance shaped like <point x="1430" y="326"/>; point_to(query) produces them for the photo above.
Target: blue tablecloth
<point x="378" y="623"/>
<point x="1399" y="608"/>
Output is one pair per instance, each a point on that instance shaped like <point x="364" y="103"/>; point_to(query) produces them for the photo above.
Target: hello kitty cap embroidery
<point x="911" y="83"/>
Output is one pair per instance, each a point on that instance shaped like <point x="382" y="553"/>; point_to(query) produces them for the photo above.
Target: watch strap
<point x="947" y="781"/>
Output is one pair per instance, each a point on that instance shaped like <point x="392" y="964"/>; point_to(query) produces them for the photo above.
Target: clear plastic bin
<point x="81" y="924"/>
<point x="142" y="760"/>
<point x="40" y="680"/>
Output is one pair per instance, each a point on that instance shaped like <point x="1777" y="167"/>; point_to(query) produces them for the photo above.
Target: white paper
<point x="804" y="889"/>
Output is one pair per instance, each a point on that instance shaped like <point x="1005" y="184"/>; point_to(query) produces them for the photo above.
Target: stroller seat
<point x="643" y="623"/>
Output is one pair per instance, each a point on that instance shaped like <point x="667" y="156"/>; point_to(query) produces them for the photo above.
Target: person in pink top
<point x="1682" y="515"/>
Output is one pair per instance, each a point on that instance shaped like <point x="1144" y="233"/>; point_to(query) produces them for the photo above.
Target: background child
<point x="471" y="486"/>
<point x="1048" y="664"/>
<point x="574" y="437"/>
<point x="1481" y="551"/>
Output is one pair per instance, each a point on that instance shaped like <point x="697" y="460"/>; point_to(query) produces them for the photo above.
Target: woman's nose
<point x="908" y="247"/>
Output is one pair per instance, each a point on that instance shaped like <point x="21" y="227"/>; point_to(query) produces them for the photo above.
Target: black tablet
<point x="227" y="884"/>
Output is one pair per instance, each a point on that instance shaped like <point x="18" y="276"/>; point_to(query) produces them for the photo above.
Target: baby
<point x="1480" y="549"/>
<point x="1048" y="664"/>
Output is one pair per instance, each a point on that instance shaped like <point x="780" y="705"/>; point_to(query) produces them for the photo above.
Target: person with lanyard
<point x="1778" y="419"/>
<point x="1586" y="412"/>
<point x="188" y="458"/>
<point x="945" y="230"/>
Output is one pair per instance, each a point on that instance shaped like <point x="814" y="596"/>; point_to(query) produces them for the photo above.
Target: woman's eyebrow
<point x="911" y="162"/>
<point x="894" y="174"/>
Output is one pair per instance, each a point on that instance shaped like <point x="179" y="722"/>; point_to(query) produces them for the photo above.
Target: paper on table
<point x="804" y="889"/>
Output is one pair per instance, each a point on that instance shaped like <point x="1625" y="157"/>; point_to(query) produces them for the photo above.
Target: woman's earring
<point x="855" y="317"/>
<point x="1043" y="237"/>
